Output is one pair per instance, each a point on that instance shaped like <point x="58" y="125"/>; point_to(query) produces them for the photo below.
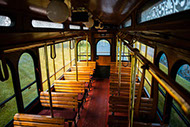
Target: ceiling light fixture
<point x="57" y="11"/>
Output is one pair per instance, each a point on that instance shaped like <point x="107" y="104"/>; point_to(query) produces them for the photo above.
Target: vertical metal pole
<point x="63" y="57"/>
<point x="48" y="80"/>
<point x="76" y="60"/>
<point x="132" y="90"/>
<point x="116" y="51"/>
<point x="119" y="76"/>
<point x="70" y="53"/>
<point x="87" y="50"/>
<point x="54" y="69"/>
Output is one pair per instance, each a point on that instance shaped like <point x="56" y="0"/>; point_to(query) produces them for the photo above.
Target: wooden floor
<point x="95" y="112"/>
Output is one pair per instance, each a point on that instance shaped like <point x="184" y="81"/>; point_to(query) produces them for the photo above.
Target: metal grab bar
<point x="167" y="83"/>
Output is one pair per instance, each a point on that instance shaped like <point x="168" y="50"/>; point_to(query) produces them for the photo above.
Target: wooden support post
<point x="48" y="80"/>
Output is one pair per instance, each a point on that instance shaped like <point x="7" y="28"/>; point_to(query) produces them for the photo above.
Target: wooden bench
<point x="124" y="89"/>
<point x="119" y="109"/>
<point x="27" y="120"/>
<point x="145" y="109"/>
<point x="83" y="69"/>
<point x="124" y="77"/>
<point x="82" y="76"/>
<point x="90" y="63"/>
<point x="72" y="87"/>
<point x="65" y="105"/>
<point x="123" y="69"/>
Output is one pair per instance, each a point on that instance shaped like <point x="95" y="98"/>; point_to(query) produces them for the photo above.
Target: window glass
<point x="127" y="23"/>
<point x="137" y="45"/>
<point x="7" y="91"/>
<point x="43" y="68"/>
<point x="163" y="8"/>
<point x="66" y="54"/>
<point x="161" y="99"/>
<point x="125" y="55"/>
<point x="27" y="76"/>
<point x="82" y="50"/>
<point x="5" y="21"/>
<point x="103" y="47"/>
<point x="26" y="70"/>
<point x="150" y="54"/>
<point x="176" y="120"/>
<point x="183" y="76"/>
<point x="74" y="27"/>
<point x="143" y="48"/>
<point x="163" y="63"/>
<point x="46" y="24"/>
<point x="58" y="59"/>
<point x="85" y="28"/>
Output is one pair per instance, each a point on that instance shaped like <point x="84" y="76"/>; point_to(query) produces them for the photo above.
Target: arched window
<point x="7" y="100"/>
<point x="103" y="47"/>
<point x="183" y="76"/>
<point x="178" y="118"/>
<point x="163" y="65"/>
<point x="82" y="50"/>
<point x="27" y="79"/>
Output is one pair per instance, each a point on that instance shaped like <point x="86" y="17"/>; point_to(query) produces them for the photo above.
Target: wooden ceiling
<point x="108" y="11"/>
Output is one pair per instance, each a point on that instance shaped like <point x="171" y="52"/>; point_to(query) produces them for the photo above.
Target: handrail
<point x="167" y="83"/>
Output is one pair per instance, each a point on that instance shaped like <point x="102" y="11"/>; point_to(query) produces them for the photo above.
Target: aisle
<point x="96" y="108"/>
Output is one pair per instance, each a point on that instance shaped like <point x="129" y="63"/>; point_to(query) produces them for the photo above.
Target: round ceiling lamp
<point x="57" y="11"/>
<point x="90" y="22"/>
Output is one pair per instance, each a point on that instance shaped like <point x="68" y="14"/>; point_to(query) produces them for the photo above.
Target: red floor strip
<point x="95" y="112"/>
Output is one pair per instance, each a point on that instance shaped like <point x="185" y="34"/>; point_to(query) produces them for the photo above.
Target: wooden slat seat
<point x="119" y="107"/>
<point x="26" y="120"/>
<point x="67" y="104"/>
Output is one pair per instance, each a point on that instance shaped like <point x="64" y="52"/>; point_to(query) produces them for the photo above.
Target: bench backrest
<point x="119" y="104"/>
<point x="28" y="120"/>
<point x="60" y="100"/>
<point x="72" y="87"/>
<point x="124" y="89"/>
<point x="90" y="63"/>
<point x="82" y="76"/>
<point x="83" y="69"/>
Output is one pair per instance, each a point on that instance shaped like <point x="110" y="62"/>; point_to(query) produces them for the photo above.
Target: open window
<point x="82" y="50"/>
